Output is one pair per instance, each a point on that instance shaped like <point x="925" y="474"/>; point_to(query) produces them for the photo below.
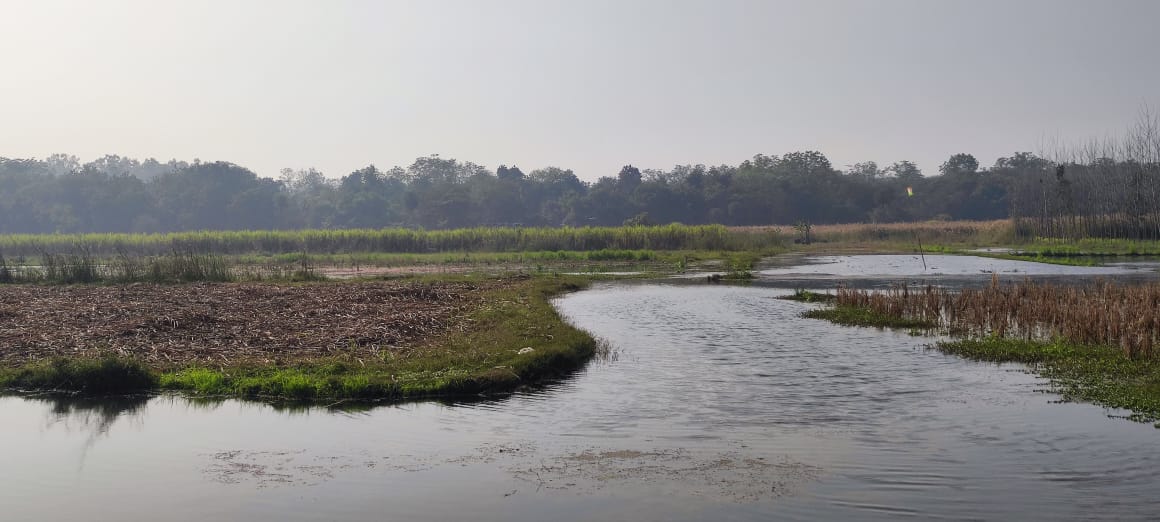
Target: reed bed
<point x="400" y="240"/>
<point x="83" y="267"/>
<point x="1104" y="314"/>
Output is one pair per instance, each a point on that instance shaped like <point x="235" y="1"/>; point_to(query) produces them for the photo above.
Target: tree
<point x="868" y="171"/>
<point x="959" y="164"/>
<point x="905" y="171"/>
<point x="1022" y="162"/>
<point x="629" y="178"/>
<point x="807" y="163"/>
<point x="513" y="173"/>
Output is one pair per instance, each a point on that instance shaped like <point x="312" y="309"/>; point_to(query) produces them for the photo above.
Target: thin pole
<point x="919" y="241"/>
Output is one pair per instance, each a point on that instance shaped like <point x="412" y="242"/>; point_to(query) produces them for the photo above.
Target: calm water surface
<point x="720" y="403"/>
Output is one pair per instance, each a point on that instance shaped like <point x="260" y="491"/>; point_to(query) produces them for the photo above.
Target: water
<point x="721" y="403"/>
<point x="914" y="265"/>
<point x="870" y="271"/>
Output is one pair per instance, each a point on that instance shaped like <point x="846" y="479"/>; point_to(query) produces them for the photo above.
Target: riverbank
<point x="362" y="339"/>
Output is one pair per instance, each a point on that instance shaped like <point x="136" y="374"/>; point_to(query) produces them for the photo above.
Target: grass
<point x="82" y="267"/>
<point x="516" y="337"/>
<point x="861" y="316"/>
<point x="807" y="296"/>
<point x="1036" y="257"/>
<point x="402" y="240"/>
<point x="1089" y="249"/>
<point x="106" y="375"/>
<point x="903" y="237"/>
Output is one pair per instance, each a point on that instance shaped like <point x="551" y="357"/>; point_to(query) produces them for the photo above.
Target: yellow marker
<point x="909" y="191"/>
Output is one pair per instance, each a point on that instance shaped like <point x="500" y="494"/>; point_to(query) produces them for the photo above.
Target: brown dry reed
<point x="1104" y="313"/>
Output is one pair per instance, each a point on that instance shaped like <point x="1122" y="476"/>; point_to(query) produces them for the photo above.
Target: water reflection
<point x="93" y="415"/>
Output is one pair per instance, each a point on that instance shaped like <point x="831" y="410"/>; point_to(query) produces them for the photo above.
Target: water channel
<point x="718" y="403"/>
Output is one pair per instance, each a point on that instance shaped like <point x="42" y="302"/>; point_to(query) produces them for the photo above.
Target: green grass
<point x="107" y="375"/>
<point x="854" y="316"/>
<point x="1097" y="374"/>
<point x="1040" y="258"/>
<point x="486" y="358"/>
<point x="401" y="240"/>
<point x="806" y="296"/>
<point x="1090" y="248"/>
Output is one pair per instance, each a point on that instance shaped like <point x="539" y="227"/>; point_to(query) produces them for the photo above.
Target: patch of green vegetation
<point x="107" y="375"/>
<point x="806" y="296"/>
<point x="855" y="316"/>
<point x="1091" y="247"/>
<point x="403" y="240"/>
<point x="739" y="266"/>
<point x="1097" y="374"/>
<point x="516" y="337"/>
<point x="1040" y="258"/>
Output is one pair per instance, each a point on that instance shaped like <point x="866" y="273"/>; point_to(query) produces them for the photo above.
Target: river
<point x="717" y="403"/>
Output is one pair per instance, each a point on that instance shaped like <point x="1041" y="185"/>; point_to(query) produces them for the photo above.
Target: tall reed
<point x="1127" y="316"/>
<point x="401" y="240"/>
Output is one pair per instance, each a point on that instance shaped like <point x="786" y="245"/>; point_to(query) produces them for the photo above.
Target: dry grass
<point x="230" y="323"/>
<point x="1101" y="314"/>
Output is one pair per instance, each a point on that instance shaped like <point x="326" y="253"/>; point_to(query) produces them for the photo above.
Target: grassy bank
<point x="1094" y="344"/>
<point x="509" y="335"/>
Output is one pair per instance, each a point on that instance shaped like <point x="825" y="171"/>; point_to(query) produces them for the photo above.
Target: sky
<point x="589" y="85"/>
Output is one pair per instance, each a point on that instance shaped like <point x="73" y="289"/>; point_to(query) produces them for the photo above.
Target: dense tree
<point x="629" y="178"/>
<point x="1106" y="193"/>
<point x="959" y="164"/>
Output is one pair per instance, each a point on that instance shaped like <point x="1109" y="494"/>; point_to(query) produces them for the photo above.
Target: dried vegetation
<point x="212" y="324"/>
<point x="1105" y="314"/>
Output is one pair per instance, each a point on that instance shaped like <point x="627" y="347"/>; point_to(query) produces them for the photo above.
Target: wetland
<point x="713" y="401"/>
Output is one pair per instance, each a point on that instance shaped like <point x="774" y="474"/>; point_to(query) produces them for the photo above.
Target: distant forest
<point x="59" y="194"/>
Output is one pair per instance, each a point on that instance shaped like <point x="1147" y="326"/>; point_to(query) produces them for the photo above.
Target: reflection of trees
<point x="92" y="414"/>
<point x="96" y="414"/>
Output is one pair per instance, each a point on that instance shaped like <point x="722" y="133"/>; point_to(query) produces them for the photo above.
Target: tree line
<point x="1107" y="188"/>
<point x="59" y="194"/>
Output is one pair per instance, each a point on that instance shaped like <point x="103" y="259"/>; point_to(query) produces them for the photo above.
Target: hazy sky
<point x="582" y="84"/>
